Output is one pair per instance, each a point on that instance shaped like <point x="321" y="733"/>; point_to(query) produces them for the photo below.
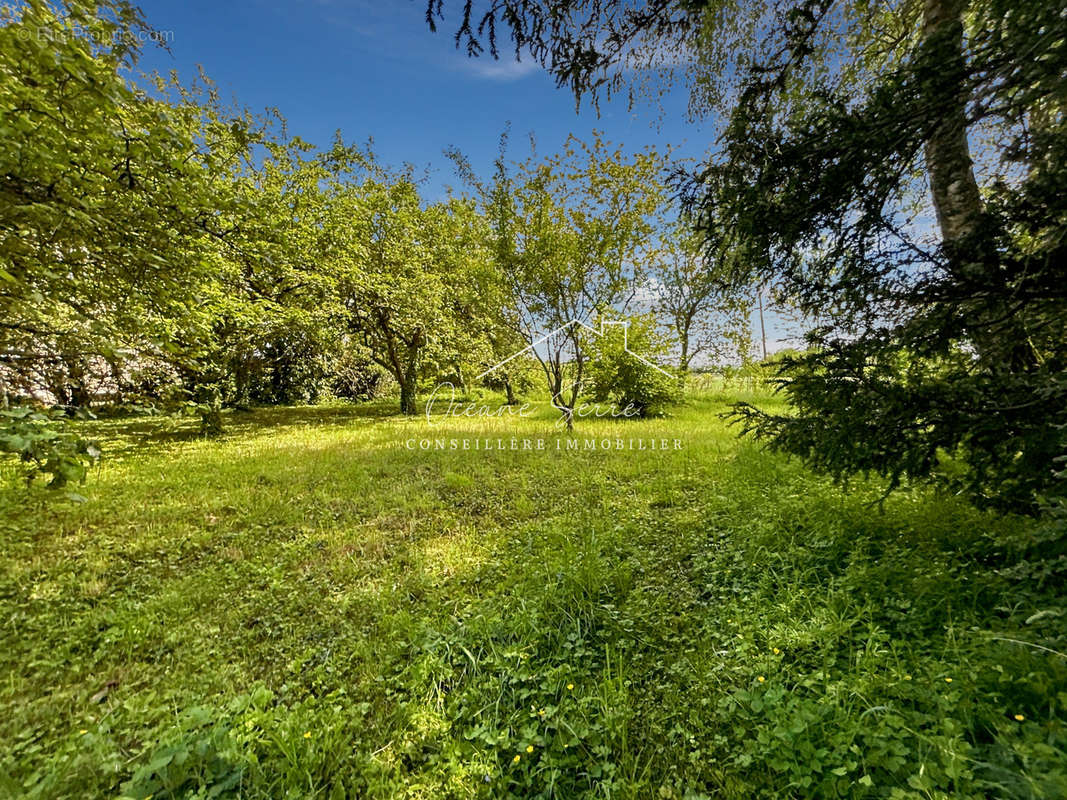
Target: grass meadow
<point x="310" y="607"/>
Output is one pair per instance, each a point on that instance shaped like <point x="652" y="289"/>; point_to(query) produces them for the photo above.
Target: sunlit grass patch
<point x="308" y="605"/>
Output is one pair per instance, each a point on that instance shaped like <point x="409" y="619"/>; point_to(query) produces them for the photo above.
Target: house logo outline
<point x="625" y="344"/>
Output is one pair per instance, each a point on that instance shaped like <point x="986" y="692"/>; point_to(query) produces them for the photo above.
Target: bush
<point x="358" y="378"/>
<point x="620" y="369"/>
<point x="43" y="444"/>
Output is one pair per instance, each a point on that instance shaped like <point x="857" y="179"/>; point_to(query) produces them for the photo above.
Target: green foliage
<point x="331" y="627"/>
<point x="194" y="759"/>
<point x="621" y="368"/>
<point x="356" y="376"/>
<point x="111" y="195"/>
<point x="222" y="255"/>
<point x="707" y="316"/>
<point x="843" y="424"/>
<point x="566" y="234"/>
<point x="207" y="405"/>
<point x="381" y="621"/>
<point x="848" y="125"/>
<point x="412" y="299"/>
<point x="254" y="746"/>
<point x="921" y="352"/>
<point x="43" y="445"/>
<point x="519" y="376"/>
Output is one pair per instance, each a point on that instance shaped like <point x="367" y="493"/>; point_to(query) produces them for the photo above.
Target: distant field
<point x="312" y="607"/>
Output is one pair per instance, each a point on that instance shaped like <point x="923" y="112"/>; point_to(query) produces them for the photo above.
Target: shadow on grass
<point x="123" y="436"/>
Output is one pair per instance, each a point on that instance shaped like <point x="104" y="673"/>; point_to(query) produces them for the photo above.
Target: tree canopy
<point x="891" y="169"/>
<point x="161" y="249"/>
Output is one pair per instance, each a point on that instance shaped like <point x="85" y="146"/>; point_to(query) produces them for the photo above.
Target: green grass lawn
<point x="309" y="608"/>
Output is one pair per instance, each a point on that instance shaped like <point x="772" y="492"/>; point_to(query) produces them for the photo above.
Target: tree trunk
<point x="956" y="198"/>
<point x="407" y="397"/>
<point x="409" y="384"/>
<point x="555" y="386"/>
<point x="80" y="396"/>
<point x="575" y="389"/>
<point x="762" y="327"/>
<point x="509" y="392"/>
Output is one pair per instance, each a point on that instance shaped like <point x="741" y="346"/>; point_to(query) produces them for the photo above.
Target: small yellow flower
<point x="761" y="679"/>
<point x="948" y="680"/>
<point x="516" y="760"/>
<point x="541" y="712"/>
<point x="776" y="651"/>
<point x="907" y="677"/>
<point x="529" y="748"/>
<point x="570" y="687"/>
<point x="1019" y="717"/>
<point x="83" y="731"/>
<point x="307" y="734"/>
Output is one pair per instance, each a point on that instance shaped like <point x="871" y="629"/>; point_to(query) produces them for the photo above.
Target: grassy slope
<point x="308" y="607"/>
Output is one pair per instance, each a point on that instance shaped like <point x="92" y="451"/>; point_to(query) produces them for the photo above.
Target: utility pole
<point x="762" y="328"/>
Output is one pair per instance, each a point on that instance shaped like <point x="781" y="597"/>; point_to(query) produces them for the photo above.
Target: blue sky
<point x="374" y="69"/>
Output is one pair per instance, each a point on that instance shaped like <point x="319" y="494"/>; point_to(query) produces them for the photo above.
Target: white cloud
<point x="505" y="69"/>
<point x="398" y="32"/>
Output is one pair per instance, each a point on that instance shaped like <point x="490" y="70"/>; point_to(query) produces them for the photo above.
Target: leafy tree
<point x="275" y="314"/>
<point x="950" y="349"/>
<point x="508" y="368"/>
<point x="569" y="233"/>
<point x="355" y="375"/>
<point x="409" y="276"/>
<point x="109" y="198"/>
<point x="850" y="124"/>
<point x="392" y="294"/>
<point x="707" y="316"/>
<point x="476" y="295"/>
<point x="110" y="204"/>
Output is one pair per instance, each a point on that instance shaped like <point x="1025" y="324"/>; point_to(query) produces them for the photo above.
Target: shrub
<point x="356" y="377"/>
<point x="620" y="369"/>
<point x="43" y="444"/>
